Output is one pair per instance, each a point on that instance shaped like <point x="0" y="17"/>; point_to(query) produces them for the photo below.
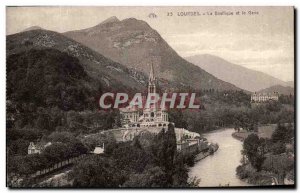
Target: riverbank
<point x="245" y="171"/>
<point x="276" y="165"/>
<point x="241" y="135"/>
<point x="219" y="169"/>
<point x="248" y="174"/>
<point x="264" y="131"/>
<point x="210" y="151"/>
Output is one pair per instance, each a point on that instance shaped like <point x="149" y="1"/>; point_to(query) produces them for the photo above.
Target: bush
<point x="278" y="148"/>
<point x="242" y="172"/>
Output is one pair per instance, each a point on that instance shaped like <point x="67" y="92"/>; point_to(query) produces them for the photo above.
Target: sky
<point x="262" y="39"/>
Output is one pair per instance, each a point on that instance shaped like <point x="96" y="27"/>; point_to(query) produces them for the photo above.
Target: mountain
<point x="105" y="72"/>
<point x="135" y="44"/>
<point x="290" y="83"/>
<point x="49" y="78"/>
<point x="33" y="28"/>
<point x="240" y="76"/>
<point x="110" y="20"/>
<point x="285" y="90"/>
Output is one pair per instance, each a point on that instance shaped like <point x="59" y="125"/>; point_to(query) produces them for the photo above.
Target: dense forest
<point x="233" y="109"/>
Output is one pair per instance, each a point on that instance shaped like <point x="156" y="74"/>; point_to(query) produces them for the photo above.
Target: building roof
<point x="98" y="150"/>
<point x="39" y="145"/>
<point x="128" y="109"/>
<point x="265" y="94"/>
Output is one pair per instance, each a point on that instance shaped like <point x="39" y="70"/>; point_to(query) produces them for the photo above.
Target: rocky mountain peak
<point x="112" y="19"/>
<point x="135" y="44"/>
<point x="33" y="28"/>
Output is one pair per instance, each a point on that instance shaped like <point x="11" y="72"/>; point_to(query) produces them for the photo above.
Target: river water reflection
<point x="220" y="168"/>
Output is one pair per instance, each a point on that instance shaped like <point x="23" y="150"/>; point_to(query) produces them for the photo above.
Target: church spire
<point x="151" y="83"/>
<point x="151" y="75"/>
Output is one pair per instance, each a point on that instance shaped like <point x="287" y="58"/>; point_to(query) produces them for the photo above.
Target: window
<point x="152" y="114"/>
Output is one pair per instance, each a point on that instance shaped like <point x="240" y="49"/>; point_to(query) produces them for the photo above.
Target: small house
<point x="99" y="150"/>
<point x="37" y="148"/>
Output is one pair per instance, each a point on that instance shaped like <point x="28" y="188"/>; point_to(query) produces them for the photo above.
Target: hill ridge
<point x="135" y="44"/>
<point x="242" y="77"/>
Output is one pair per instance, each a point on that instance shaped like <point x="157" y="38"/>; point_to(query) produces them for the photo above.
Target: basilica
<point x="153" y="119"/>
<point x="150" y="117"/>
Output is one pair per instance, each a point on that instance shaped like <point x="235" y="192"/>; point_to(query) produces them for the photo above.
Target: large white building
<point x="264" y="97"/>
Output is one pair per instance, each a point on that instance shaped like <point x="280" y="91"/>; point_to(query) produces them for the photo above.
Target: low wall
<point x="127" y="134"/>
<point x="58" y="165"/>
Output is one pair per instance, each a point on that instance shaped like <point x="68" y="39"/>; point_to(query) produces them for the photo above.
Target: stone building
<point x="37" y="148"/>
<point x="135" y="121"/>
<point x="151" y="116"/>
<point x="264" y="97"/>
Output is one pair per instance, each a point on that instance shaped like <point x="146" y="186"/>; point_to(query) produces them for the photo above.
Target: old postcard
<point x="150" y="97"/>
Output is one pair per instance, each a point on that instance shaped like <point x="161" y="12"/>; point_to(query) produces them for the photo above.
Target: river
<point x="219" y="168"/>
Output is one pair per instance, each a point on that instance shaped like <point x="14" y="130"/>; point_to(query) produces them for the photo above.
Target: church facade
<point x="151" y="117"/>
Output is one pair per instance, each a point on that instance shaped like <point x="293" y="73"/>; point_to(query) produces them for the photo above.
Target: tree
<point x="176" y="116"/>
<point x="171" y="147"/>
<point x="110" y="146"/>
<point x="26" y="165"/>
<point x="131" y="157"/>
<point x="163" y="150"/>
<point x="63" y="137"/>
<point x="254" y="149"/>
<point x="273" y="106"/>
<point x="283" y="133"/>
<point x="56" y="152"/>
<point x="278" y="147"/>
<point x="150" y="178"/>
<point x="74" y="146"/>
<point x="180" y="171"/>
<point x="44" y="122"/>
<point x="19" y="147"/>
<point x="94" y="172"/>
